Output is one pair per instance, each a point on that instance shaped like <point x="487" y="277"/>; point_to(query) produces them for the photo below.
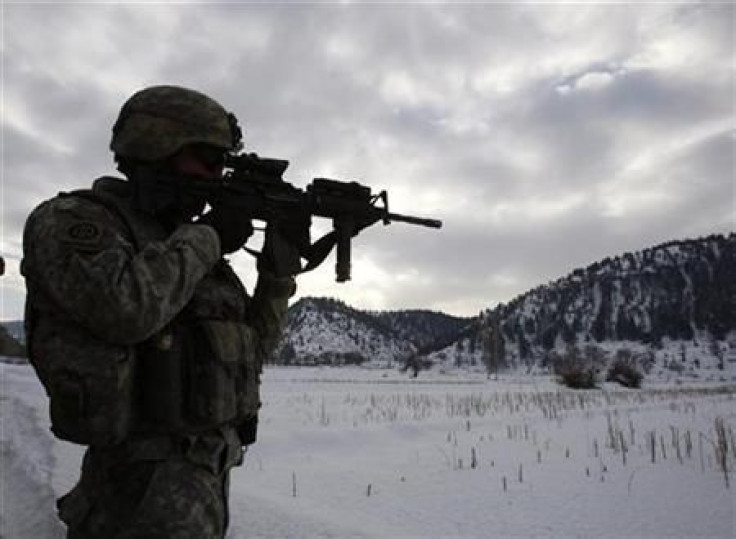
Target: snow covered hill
<point x="15" y="329"/>
<point x="672" y="306"/>
<point x="9" y="343"/>
<point x="323" y="331"/>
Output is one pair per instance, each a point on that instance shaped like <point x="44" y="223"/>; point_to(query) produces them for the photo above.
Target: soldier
<point x="145" y="339"/>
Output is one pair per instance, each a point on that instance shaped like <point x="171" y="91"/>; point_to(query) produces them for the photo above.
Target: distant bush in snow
<point x="575" y="370"/>
<point x="624" y="373"/>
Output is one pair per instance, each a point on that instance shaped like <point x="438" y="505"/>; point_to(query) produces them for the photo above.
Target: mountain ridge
<point x="638" y="303"/>
<point x="680" y="291"/>
<point x="672" y="305"/>
<point x="328" y="331"/>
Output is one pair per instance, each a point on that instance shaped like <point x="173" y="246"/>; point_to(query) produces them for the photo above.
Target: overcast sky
<point x="546" y="137"/>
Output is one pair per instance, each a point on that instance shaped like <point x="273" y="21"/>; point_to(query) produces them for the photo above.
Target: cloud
<point x="545" y="136"/>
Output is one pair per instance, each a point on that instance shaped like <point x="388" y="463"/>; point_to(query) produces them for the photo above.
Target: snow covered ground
<point x="372" y="453"/>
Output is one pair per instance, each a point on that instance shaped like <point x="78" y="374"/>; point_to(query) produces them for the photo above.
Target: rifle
<point x="255" y="186"/>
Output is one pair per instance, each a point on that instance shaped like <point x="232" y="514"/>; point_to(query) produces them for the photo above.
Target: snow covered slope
<point x="675" y="302"/>
<point x="322" y="331"/>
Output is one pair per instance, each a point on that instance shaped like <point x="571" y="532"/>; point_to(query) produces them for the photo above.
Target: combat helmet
<point x="158" y="121"/>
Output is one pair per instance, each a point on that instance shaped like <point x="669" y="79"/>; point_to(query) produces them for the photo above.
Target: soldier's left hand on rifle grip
<point x="279" y="256"/>
<point x="233" y="226"/>
<point x="295" y="230"/>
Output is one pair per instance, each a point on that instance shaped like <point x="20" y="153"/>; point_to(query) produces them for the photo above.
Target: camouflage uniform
<point x="106" y="283"/>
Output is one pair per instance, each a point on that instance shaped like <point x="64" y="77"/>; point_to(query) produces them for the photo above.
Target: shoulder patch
<point x="84" y="231"/>
<point x="84" y="234"/>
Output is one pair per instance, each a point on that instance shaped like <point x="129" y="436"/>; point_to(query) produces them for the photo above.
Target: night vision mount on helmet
<point x="158" y="121"/>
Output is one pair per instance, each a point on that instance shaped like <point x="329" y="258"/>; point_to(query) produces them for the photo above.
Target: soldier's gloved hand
<point x="295" y="230"/>
<point x="232" y="226"/>
<point x="279" y="256"/>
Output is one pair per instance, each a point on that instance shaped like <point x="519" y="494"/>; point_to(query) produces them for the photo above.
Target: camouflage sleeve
<point x="267" y="310"/>
<point x="77" y="253"/>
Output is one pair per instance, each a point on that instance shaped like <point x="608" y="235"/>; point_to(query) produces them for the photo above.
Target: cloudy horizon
<point x="546" y="137"/>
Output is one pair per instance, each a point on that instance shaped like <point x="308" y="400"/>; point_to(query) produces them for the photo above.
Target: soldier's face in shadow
<point x="200" y="160"/>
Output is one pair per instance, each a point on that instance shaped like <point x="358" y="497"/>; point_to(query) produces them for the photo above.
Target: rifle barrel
<point x="421" y="221"/>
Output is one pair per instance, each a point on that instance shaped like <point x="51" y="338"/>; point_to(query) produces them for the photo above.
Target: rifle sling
<point x="316" y="253"/>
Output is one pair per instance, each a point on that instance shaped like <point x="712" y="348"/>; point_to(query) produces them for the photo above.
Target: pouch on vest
<point x="162" y="381"/>
<point x="89" y="383"/>
<point x="225" y="371"/>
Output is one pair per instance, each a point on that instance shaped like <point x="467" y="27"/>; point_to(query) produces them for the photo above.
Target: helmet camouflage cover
<point x="158" y="121"/>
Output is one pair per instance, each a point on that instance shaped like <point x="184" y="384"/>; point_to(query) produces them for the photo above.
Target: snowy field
<point x="359" y="453"/>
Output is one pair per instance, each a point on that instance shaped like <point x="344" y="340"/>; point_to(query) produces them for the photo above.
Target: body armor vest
<point x="200" y="372"/>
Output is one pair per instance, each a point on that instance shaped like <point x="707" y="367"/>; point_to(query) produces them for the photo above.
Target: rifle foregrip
<point x="344" y="233"/>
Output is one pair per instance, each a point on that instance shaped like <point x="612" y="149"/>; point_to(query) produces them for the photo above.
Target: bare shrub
<point x="624" y="370"/>
<point x="575" y="370"/>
